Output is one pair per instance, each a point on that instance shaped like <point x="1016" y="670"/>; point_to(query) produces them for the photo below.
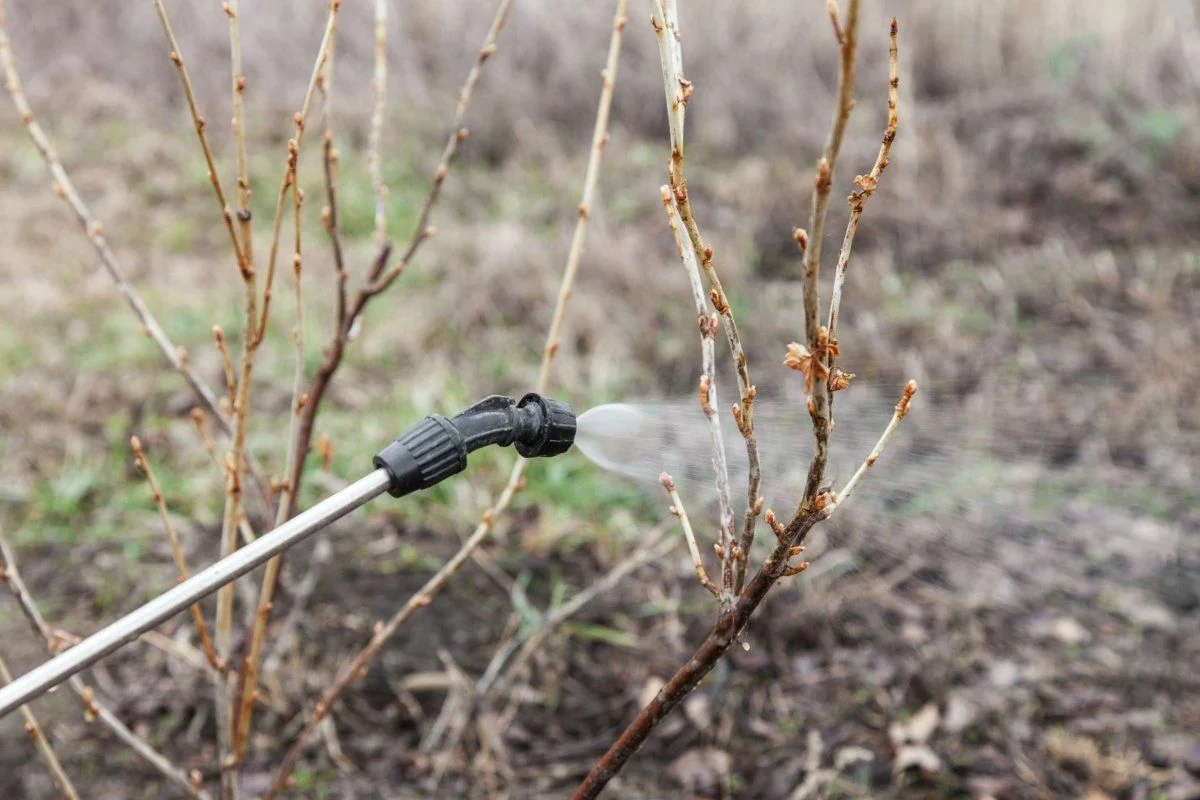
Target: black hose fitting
<point x="436" y="448"/>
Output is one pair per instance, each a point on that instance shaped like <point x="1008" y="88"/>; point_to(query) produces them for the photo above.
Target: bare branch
<point x="810" y="242"/>
<point x="35" y="732"/>
<point x="678" y="510"/>
<point x="865" y="185"/>
<point x="200" y="124"/>
<point x="375" y="140"/>
<point x="708" y="396"/>
<point x="900" y="413"/>
<point x="665" y="21"/>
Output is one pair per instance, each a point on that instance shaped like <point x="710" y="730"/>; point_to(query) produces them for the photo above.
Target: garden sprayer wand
<point x="424" y="455"/>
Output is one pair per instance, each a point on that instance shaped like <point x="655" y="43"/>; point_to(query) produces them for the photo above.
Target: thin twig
<point x="665" y="21"/>
<point x="143" y="464"/>
<point x="96" y="710"/>
<point x="238" y="85"/>
<point x="42" y="743"/>
<point x="358" y="666"/>
<point x="200" y="124"/>
<point x="902" y="409"/>
<point x="288" y="181"/>
<point x="865" y="185"/>
<point x="678" y="510"/>
<point x="708" y="390"/>
<point x="375" y="139"/>
<point x="810" y="242"/>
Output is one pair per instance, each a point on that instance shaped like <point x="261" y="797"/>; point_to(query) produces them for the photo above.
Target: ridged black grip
<point x="424" y="455"/>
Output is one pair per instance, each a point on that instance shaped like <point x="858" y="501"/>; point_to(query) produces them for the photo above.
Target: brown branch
<point x="358" y="666"/>
<point x="729" y="627"/>
<point x="143" y="465"/>
<point x="817" y="505"/>
<point x="238" y="87"/>
<point x="664" y="19"/>
<point x="200" y="125"/>
<point x="42" y="743"/>
<point x="289" y="173"/>
<point x="244" y="695"/>
<point x="810" y="242"/>
<point x="96" y="710"/>
<point x="865" y="185"/>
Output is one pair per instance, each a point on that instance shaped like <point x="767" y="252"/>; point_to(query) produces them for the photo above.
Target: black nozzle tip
<point x="554" y="432"/>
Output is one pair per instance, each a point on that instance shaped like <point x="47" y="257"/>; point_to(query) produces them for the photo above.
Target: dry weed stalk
<point x="94" y="709"/>
<point x="359" y="665"/>
<point x="665" y="21"/>
<point x="42" y="743"/>
<point x="815" y="505"/>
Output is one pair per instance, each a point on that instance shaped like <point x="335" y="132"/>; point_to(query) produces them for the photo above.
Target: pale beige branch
<point x="42" y="743"/>
<point x="901" y="411"/>
<point x="378" y="113"/>
<point x="678" y="510"/>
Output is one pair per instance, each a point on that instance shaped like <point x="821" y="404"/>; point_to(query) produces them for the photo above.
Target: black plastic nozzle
<point x="436" y="448"/>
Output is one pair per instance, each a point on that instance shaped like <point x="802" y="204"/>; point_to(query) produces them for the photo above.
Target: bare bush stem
<point x="665" y="21"/>
<point x="847" y="38"/>
<point x="200" y="124"/>
<point x="42" y="743"/>
<point x="865" y="185"/>
<point x="358" y="666"/>
<point x="96" y="710"/>
<point x="708" y="394"/>
<point x="243" y="696"/>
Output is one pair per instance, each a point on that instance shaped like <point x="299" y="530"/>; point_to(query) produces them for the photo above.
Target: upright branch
<point x="810" y="241"/>
<point x="143" y="466"/>
<point x="865" y="185"/>
<point x="358" y="666"/>
<point x="708" y="323"/>
<point x="244" y="695"/>
<point x="238" y="85"/>
<point x="201" y="126"/>
<point x="45" y="751"/>
<point x="375" y="139"/>
<point x="95" y="710"/>
<point x="664" y="19"/>
<point x="814" y="359"/>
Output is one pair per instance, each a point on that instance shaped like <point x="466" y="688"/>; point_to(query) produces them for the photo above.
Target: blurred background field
<point x="1027" y="557"/>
